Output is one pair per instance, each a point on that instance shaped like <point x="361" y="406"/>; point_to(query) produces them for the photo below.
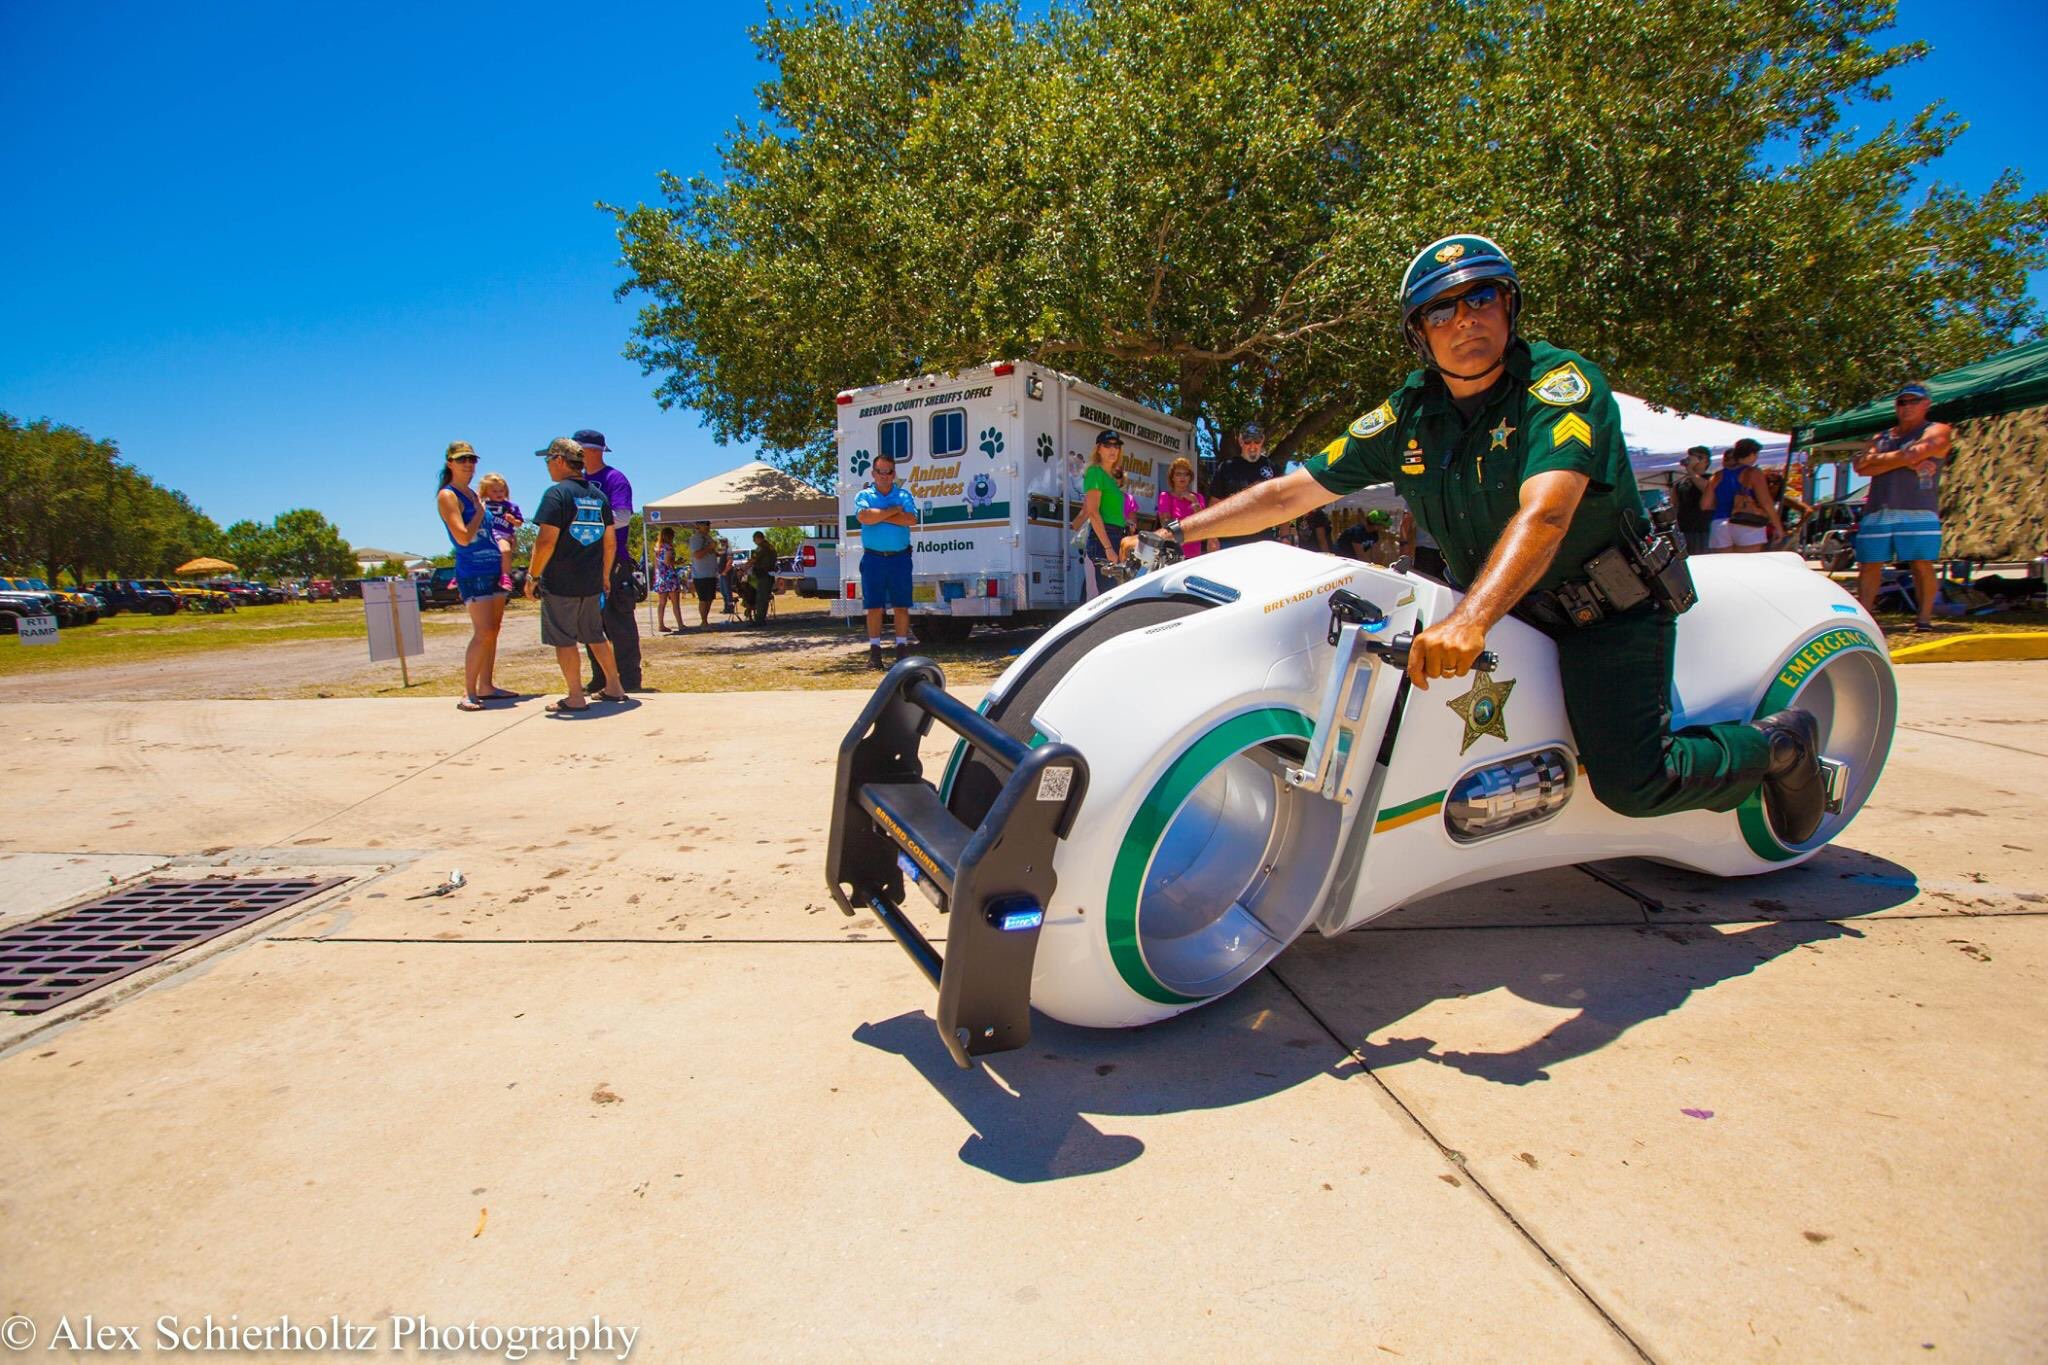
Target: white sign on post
<point x="393" y="618"/>
<point x="38" y="630"/>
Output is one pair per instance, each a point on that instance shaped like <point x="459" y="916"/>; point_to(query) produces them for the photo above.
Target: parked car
<point x="135" y="594"/>
<point x="24" y="602"/>
<point x="349" y="587"/>
<point x="439" y="590"/>
<point x="1827" y="535"/>
<point x="71" y="608"/>
<point x="818" y="562"/>
<point x="321" y="590"/>
<point x="203" y="600"/>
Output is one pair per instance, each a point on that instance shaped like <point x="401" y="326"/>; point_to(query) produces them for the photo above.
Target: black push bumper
<point x="992" y="882"/>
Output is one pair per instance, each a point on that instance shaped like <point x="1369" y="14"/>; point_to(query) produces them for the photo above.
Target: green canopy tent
<point x="1994" y="494"/>
<point x="2001" y="383"/>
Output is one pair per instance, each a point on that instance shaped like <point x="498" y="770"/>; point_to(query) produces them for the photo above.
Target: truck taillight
<point x="810" y="556"/>
<point x="992" y="588"/>
<point x="852" y="590"/>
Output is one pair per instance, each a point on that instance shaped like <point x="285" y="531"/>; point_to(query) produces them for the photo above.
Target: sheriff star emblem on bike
<point x="1484" y="709"/>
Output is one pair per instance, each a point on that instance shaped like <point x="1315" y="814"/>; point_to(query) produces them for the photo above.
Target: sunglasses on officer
<point x="1477" y="300"/>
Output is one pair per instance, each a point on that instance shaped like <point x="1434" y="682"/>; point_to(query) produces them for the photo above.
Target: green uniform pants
<point x="1617" y="694"/>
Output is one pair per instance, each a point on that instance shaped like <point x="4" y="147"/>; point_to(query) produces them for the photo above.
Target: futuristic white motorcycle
<point x="1194" y="768"/>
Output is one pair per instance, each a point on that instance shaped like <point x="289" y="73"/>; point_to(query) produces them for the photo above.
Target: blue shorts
<point x="476" y="588"/>
<point x="1894" y="535"/>
<point x="884" y="579"/>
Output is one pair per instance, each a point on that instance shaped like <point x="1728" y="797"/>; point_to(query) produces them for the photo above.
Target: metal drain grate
<point x="44" y="964"/>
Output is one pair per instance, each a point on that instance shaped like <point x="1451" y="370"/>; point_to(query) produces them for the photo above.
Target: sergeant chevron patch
<point x="1562" y="387"/>
<point x="1571" y="427"/>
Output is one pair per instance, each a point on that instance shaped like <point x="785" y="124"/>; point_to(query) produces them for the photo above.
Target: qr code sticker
<point x="1054" y="783"/>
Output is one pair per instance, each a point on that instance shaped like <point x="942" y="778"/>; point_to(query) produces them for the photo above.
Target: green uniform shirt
<point x="1463" y="481"/>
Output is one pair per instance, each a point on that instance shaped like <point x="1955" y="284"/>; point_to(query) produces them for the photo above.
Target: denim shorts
<point x="474" y="588"/>
<point x="884" y="579"/>
<point x="1897" y="535"/>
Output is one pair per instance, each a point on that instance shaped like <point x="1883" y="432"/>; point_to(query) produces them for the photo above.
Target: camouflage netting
<point x="1994" y="494"/>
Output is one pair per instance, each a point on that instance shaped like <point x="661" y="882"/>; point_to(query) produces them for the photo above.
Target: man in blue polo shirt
<point x="886" y="513"/>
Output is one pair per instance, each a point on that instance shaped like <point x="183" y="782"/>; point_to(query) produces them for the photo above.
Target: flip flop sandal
<point x="469" y="704"/>
<point x="605" y="696"/>
<point x="562" y="708"/>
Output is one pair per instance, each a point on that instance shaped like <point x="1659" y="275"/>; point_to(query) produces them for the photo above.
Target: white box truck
<point x="994" y="456"/>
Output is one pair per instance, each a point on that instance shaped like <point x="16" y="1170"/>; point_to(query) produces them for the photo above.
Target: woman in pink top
<point x="1179" y="499"/>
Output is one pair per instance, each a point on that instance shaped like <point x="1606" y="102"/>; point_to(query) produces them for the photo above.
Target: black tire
<point x="978" y="780"/>
<point x="941" y="630"/>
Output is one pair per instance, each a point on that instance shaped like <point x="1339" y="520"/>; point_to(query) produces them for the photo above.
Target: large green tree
<point x="1208" y="204"/>
<point x="69" y="502"/>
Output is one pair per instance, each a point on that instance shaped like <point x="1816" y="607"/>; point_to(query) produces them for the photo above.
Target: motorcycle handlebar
<point x="1395" y="652"/>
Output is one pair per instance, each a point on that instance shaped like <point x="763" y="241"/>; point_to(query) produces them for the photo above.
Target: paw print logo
<point x="991" y="442"/>
<point x="861" y="463"/>
<point x="1044" y="446"/>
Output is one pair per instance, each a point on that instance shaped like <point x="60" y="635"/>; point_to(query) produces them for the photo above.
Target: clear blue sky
<point x="284" y="253"/>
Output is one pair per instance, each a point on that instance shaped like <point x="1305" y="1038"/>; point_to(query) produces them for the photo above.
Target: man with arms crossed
<point x="1509" y="452"/>
<point x="887" y="514"/>
<point x="1902" y="515"/>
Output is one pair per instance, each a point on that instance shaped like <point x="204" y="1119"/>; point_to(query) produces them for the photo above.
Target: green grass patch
<point x="133" y="637"/>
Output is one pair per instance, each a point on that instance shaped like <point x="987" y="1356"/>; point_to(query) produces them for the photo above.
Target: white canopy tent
<point x="755" y="494"/>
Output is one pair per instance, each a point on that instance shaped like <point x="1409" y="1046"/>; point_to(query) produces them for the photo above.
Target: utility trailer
<point x="994" y="456"/>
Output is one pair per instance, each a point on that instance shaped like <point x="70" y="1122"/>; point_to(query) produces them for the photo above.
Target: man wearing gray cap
<point x="621" y="626"/>
<point x="572" y="557"/>
<point x="1902" y="516"/>
<point x="1250" y="469"/>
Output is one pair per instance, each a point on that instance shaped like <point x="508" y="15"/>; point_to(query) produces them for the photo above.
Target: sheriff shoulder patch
<point x="1570" y="427"/>
<point x="1563" y="387"/>
<point x="1374" y="422"/>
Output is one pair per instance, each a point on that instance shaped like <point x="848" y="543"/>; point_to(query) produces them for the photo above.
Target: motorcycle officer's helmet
<point x="1446" y="264"/>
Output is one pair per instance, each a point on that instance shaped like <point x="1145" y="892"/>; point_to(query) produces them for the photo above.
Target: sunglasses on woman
<point x="462" y="459"/>
<point x="1477" y="300"/>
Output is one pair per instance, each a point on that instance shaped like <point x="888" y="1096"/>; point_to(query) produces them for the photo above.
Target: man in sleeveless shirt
<point x="1902" y="516"/>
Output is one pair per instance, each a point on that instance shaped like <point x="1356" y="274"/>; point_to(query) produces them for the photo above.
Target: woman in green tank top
<point x="1102" y="512"/>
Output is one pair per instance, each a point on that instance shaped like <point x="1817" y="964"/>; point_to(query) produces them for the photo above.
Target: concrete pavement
<point x="639" y="1067"/>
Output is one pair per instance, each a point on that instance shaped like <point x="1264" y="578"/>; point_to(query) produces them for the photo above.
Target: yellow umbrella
<point x="196" y="566"/>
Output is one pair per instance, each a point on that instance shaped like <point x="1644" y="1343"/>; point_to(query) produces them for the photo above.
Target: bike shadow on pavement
<point x="1610" y="977"/>
<point x="1030" y="1108"/>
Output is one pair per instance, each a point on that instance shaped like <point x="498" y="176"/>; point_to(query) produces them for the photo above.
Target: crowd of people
<point x="1109" y="512"/>
<point x="581" y="570"/>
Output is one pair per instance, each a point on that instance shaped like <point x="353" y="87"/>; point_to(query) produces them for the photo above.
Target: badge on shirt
<point x="1563" y="387"/>
<point x="1411" y="458"/>
<point x="1374" y="422"/>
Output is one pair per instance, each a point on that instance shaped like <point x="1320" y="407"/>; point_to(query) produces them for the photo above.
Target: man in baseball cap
<point x="621" y="626"/>
<point x="1251" y="468"/>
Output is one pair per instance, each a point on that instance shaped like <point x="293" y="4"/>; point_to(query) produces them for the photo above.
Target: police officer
<point x="1251" y="468"/>
<point x="1509" y="452"/>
